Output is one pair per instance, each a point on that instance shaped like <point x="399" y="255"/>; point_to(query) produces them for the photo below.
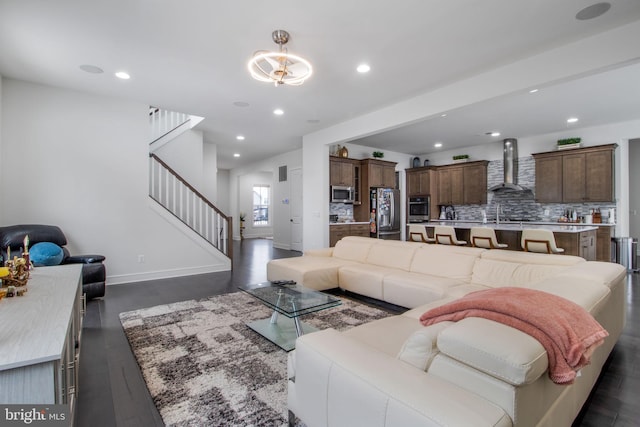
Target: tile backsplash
<point x="522" y="205"/>
<point x="343" y="210"/>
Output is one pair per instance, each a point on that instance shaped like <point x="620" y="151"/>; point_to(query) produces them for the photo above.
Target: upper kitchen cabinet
<point x="577" y="175"/>
<point x="343" y="171"/>
<point x="378" y="173"/>
<point x="419" y="181"/>
<point x="548" y="179"/>
<point x="462" y="184"/>
<point x="475" y="183"/>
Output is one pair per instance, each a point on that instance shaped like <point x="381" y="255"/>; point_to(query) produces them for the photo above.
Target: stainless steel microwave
<point x="341" y="194"/>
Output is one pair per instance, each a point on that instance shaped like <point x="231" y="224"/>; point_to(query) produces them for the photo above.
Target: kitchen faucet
<point x="497" y="213"/>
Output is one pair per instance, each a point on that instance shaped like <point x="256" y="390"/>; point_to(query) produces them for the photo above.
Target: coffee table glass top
<point x="289" y="298"/>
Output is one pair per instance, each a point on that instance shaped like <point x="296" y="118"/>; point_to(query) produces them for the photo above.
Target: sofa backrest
<point x="454" y="262"/>
<point x="392" y="254"/>
<point x="353" y="248"/>
<point x="497" y="268"/>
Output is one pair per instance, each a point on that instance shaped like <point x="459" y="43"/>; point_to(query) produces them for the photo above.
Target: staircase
<point x="175" y="194"/>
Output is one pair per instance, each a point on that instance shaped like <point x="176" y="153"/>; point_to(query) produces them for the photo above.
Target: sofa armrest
<point x="319" y="252"/>
<point x="340" y="381"/>
<point x="83" y="259"/>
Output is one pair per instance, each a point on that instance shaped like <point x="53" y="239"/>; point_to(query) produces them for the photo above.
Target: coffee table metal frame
<point x="292" y="301"/>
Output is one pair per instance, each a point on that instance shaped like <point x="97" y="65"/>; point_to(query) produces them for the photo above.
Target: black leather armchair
<point x="93" y="268"/>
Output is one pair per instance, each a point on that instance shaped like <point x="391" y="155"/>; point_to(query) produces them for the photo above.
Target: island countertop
<point x="516" y="226"/>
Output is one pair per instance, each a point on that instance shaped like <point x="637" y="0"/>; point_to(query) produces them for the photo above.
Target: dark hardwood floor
<point x="113" y="393"/>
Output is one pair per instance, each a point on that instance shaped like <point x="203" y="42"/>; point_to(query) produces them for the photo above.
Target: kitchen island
<point x="575" y="239"/>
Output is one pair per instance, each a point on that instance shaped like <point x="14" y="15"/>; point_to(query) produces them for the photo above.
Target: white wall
<point x="280" y="225"/>
<point x="634" y="183"/>
<point x="1" y="215"/>
<point x="210" y="174"/>
<point x="222" y="196"/>
<point x="80" y="161"/>
<point x="185" y="154"/>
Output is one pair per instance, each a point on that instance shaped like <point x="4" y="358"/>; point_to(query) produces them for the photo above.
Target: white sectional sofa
<point x="475" y="372"/>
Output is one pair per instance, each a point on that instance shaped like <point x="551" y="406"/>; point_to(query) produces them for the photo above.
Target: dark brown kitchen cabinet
<point x="450" y="186"/>
<point x="548" y="179"/>
<point x="379" y="173"/>
<point x="419" y="181"/>
<point x="475" y="184"/>
<point x="575" y="176"/>
<point x="338" y="231"/>
<point x="342" y="171"/>
<point x="603" y="243"/>
<point x="463" y="184"/>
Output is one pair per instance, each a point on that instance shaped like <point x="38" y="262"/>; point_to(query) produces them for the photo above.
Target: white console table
<point x="40" y="339"/>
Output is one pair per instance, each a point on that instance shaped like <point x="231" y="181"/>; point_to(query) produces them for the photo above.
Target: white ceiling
<point x="191" y="55"/>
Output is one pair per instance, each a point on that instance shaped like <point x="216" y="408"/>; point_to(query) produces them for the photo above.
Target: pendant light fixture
<point x="281" y="67"/>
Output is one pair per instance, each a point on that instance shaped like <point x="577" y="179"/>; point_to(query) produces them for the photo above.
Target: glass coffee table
<point x="292" y="301"/>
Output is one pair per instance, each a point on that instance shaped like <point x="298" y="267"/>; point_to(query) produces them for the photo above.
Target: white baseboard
<point x="165" y="274"/>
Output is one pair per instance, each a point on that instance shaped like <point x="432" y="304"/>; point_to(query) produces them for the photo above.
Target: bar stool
<point x="418" y="233"/>
<point x="446" y="235"/>
<point x="485" y="237"/>
<point x="541" y="241"/>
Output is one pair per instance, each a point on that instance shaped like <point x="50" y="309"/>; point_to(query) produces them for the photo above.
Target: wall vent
<point x="282" y="173"/>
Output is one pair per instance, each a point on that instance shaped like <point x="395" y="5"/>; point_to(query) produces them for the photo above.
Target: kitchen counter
<point x="349" y="223"/>
<point x="551" y="223"/>
<point x="589" y="241"/>
<point x="515" y="226"/>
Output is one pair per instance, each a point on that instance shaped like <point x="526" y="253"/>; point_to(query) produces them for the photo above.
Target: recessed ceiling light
<point x="593" y="11"/>
<point x="533" y="90"/>
<point x="438" y="144"/>
<point x="278" y="112"/>
<point x="572" y="120"/>
<point x="240" y="137"/>
<point x="363" y="68"/>
<point x="91" y="69"/>
<point x="443" y="115"/>
<point x="236" y="154"/>
<point x="495" y="134"/>
<point x="241" y="104"/>
<point x="123" y="75"/>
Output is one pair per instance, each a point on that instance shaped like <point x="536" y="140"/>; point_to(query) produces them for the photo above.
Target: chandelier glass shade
<point x="279" y="68"/>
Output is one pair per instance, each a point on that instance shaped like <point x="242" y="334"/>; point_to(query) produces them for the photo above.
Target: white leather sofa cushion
<point x="510" y="268"/>
<point x="313" y="272"/>
<point x="588" y="294"/>
<point x="421" y="347"/>
<point x="495" y="349"/>
<point x="363" y="279"/>
<point x="446" y="261"/>
<point x="346" y="383"/>
<point x="531" y="258"/>
<point x="353" y="248"/>
<point x="392" y="254"/>
<point x="387" y="335"/>
<point x="606" y="273"/>
<point x="524" y="404"/>
<point x="415" y="313"/>
<point x="410" y="290"/>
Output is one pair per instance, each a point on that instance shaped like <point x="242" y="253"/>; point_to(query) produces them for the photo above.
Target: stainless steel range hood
<point x="510" y="163"/>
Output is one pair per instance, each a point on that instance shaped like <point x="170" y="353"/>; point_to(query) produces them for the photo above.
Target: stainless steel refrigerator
<point x="384" y="217"/>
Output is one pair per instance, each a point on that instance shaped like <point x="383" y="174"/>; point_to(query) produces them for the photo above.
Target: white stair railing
<point x="163" y="121"/>
<point x="178" y="197"/>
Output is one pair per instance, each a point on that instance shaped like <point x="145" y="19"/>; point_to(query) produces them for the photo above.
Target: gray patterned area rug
<point x="204" y="367"/>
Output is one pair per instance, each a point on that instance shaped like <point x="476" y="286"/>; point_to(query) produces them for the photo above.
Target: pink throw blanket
<point x="567" y="331"/>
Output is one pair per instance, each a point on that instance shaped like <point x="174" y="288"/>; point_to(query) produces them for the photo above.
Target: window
<point x="261" y="201"/>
